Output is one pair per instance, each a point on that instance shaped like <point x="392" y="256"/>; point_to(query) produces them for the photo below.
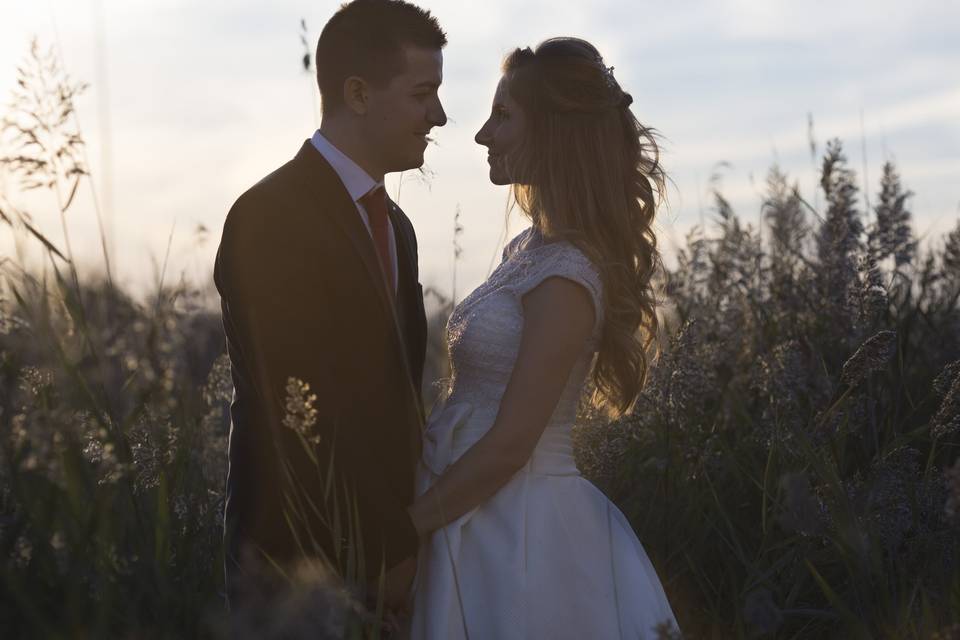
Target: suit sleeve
<point x="284" y="319"/>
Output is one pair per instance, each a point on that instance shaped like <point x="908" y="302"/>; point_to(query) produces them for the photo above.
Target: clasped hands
<point x="396" y="590"/>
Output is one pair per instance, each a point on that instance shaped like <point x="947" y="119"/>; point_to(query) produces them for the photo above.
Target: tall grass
<point x="111" y="455"/>
<point x="791" y="467"/>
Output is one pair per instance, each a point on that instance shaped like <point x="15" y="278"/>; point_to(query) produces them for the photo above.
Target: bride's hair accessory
<point x="608" y="74"/>
<point x="625" y="98"/>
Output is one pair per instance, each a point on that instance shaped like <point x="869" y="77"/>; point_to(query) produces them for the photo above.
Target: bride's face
<point x="502" y="134"/>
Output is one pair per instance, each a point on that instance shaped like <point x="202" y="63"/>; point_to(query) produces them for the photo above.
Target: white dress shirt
<point x="358" y="184"/>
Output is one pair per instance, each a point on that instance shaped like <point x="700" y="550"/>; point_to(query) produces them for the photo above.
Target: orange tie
<point x="375" y="202"/>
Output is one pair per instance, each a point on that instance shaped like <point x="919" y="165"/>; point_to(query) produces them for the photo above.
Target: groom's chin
<point x="414" y="162"/>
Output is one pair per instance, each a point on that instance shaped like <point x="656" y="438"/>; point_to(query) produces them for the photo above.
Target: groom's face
<point x="402" y="113"/>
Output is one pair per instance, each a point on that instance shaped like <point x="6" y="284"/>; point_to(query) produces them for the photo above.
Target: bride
<point x="515" y="543"/>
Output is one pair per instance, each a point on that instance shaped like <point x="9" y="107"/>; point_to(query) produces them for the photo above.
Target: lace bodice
<point x="483" y="338"/>
<point x="484" y="331"/>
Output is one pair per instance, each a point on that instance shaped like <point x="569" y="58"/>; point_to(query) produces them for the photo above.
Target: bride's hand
<point x="394" y="621"/>
<point x="396" y="584"/>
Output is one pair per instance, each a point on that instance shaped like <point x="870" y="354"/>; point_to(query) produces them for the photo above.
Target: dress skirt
<point x="548" y="556"/>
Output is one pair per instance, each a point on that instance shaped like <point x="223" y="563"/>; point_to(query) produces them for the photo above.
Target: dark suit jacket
<point x="302" y="296"/>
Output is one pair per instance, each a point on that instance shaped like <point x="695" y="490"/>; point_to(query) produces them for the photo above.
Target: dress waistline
<point x="456" y="427"/>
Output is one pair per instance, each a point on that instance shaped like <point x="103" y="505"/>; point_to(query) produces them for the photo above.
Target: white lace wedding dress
<point x="548" y="556"/>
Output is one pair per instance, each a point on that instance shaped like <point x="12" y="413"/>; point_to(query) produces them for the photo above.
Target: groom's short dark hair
<point x="365" y="38"/>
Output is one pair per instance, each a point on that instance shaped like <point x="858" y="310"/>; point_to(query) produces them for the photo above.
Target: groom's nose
<point x="437" y="116"/>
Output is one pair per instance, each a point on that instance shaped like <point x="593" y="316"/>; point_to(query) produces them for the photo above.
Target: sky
<point x="190" y="103"/>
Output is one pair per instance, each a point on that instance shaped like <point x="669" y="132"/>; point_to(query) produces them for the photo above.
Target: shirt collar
<point x="357" y="181"/>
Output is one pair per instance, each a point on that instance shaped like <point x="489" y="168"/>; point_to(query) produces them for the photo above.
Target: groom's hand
<point x="397" y="583"/>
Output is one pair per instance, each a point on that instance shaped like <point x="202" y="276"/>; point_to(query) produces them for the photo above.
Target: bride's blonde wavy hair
<point x="590" y="174"/>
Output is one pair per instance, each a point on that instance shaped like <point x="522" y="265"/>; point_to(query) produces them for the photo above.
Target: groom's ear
<point x="356" y="95"/>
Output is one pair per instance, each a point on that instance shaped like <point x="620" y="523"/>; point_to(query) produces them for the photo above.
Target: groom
<point x="318" y="279"/>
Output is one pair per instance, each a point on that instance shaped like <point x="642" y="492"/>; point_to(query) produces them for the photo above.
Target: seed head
<point x="870" y="357"/>
<point x="947" y="418"/>
<point x="301" y="415"/>
<point x="952" y="479"/>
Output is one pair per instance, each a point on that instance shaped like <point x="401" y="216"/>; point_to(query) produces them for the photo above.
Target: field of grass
<point x="791" y="467"/>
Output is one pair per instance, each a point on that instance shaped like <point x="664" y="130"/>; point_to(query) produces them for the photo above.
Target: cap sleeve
<point x="566" y="261"/>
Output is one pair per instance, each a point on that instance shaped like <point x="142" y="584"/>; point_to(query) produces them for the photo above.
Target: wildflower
<point x="845" y="416"/>
<point x="94" y="450"/>
<point x="147" y="451"/>
<point x="839" y="238"/>
<point x="947" y="418"/>
<point x="600" y="445"/>
<point x="22" y="552"/>
<point x="57" y="541"/>
<point x="213" y="446"/>
<point x="887" y="495"/>
<point x="952" y="479"/>
<point x="870" y="357"/>
<point x="694" y="352"/>
<point x="219" y="385"/>
<point x="18" y="430"/>
<point x="780" y="384"/>
<point x="891" y="234"/>
<point x="301" y="415"/>
<point x="941" y="384"/>
<point x="784" y="215"/>
<point x="48" y="151"/>
<point x="35" y="381"/>
<point x="873" y="295"/>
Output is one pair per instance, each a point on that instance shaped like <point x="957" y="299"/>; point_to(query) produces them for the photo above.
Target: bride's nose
<point x="483" y="136"/>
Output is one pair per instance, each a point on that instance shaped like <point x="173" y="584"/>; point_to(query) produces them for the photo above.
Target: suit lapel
<point x="406" y="286"/>
<point x="407" y="290"/>
<point x="404" y="248"/>
<point x="329" y="194"/>
<point x="406" y="302"/>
